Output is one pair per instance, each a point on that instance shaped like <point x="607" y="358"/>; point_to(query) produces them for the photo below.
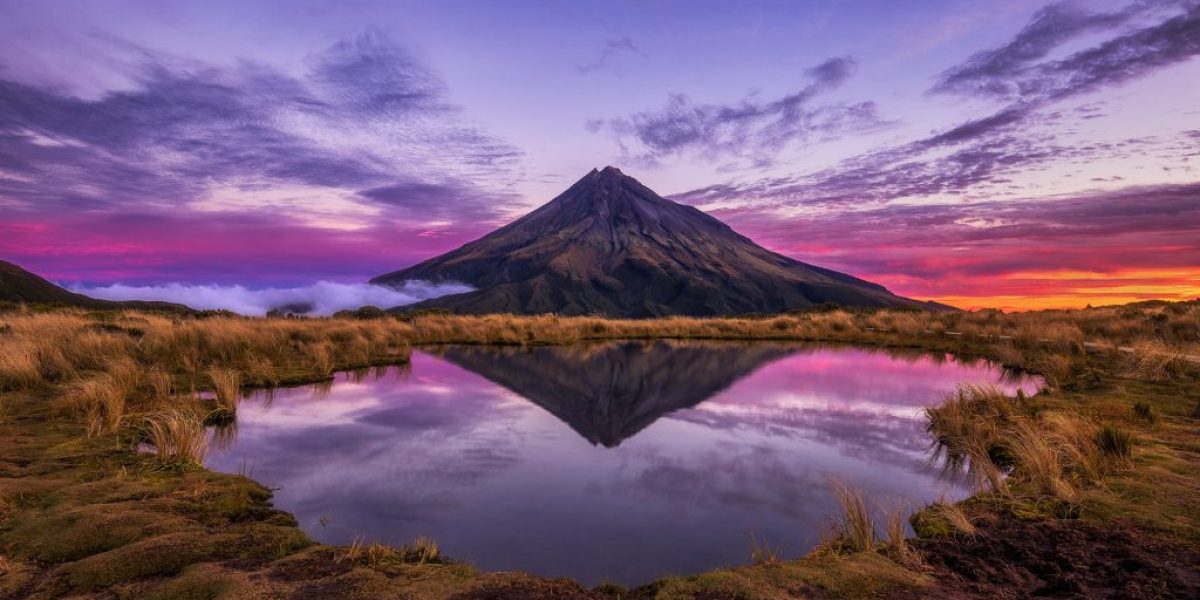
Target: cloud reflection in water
<point x="620" y="461"/>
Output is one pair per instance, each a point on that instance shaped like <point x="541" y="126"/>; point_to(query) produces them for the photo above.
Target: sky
<point x="1012" y="154"/>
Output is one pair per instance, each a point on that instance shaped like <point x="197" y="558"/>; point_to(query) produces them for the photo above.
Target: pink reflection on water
<point x="506" y="457"/>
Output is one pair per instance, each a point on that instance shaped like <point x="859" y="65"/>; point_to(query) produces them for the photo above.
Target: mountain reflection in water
<point x="619" y="461"/>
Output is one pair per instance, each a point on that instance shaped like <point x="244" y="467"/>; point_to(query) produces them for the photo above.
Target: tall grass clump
<point x="124" y="373"/>
<point x="1075" y="441"/>
<point x="1143" y="412"/>
<point x="177" y="438"/>
<point x="227" y="385"/>
<point x="1037" y="460"/>
<point x="1115" y="442"/>
<point x="942" y="518"/>
<point x="322" y="359"/>
<point x="19" y="366"/>
<point x="421" y="551"/>
<point x="1154" y="360"/>
<point x="160" y="384"/>
<point x="100" y="399"/>
<point x="966" y="433"/>
<point x="762" y="552"/>
<point x="896" y="535"/>
<point x="855" y="528"/>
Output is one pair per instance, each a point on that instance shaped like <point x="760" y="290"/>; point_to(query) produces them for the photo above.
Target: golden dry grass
<point x="762" y="552"/>
<point x="227" y="385"/>
<point x="103" y="367"/>
<point x="896" y="535"/>
<point x="176" y="437"/>
<point x="1037" y="460"/>
<point x="421" y="551"/>
<point x="113" y="370"/>
<point x="855" y="528"/>
<point x="953" y="516"/>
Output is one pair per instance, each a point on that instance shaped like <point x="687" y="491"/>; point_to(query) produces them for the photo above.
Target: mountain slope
<point x="22" y="287"/>
<point x="611" y="246"/>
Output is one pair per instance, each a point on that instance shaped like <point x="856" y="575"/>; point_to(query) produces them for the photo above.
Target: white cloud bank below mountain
<point x="321" y="298"/>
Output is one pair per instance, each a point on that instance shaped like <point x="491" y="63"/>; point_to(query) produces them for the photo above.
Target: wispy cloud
<point x="364" y="115"/>
<point x="610" y="51"/>
<point x="1023" y="70"/>
<point x="980" y="155"/>
<point x="749" y="128"/>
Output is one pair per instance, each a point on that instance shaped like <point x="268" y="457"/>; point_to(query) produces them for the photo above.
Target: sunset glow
<point x="1016" y="155"/>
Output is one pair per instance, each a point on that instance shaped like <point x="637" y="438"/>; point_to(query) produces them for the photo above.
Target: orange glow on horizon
<point x="1063" y="289"/>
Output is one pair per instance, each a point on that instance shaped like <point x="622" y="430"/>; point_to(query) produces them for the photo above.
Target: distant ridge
<point x="610" y="246"/>
<point x="19" y="286"/>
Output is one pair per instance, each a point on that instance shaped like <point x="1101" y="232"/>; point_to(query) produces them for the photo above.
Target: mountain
<point x="607" y="392"/>
<point x="19" y="286"/>
<point x="611" y="246"/>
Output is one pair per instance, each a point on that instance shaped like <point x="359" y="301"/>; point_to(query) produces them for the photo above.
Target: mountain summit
<point x="611" y="246"/>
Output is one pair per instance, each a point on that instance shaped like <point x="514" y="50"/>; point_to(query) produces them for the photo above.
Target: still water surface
<point x="619" y="462"/>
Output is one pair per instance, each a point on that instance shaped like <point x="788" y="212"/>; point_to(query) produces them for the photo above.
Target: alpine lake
<point x="612" y="462"/>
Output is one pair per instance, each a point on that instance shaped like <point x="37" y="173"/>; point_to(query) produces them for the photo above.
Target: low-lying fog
<point x="320" y="298"/>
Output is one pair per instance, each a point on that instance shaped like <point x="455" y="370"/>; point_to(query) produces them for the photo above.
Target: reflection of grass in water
<point x="224" y="436"/>
<point x="322" y="389"/>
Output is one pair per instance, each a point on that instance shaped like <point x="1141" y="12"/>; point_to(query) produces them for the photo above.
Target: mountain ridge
<point x="20" y="286"/>
<point x="611" y="246"/>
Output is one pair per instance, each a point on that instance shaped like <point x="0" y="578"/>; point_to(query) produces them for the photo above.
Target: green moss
<point x="162" y="555"/>
<point x="862" y="575"/>
<point x="270" y="541"/>
<point x="77" y="533"/>
<point x="194" y="583"/>
<point x="930" y="524"/>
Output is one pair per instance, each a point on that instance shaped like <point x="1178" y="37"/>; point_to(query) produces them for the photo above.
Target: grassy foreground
<point x="1091" y="489"/>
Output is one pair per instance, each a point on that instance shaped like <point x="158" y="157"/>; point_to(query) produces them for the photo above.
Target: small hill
<point x="19" y="286"/>
<point x="610" y="246"/>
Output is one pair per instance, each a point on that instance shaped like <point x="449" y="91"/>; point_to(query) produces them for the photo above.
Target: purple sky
<point x="982" y="153"/>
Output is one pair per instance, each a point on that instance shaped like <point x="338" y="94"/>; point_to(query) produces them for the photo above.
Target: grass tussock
<point x="1115" y="441"/>
<point x="176" y="437"/>
<point x="895" y="543"/>
<point x="19" y="367"/>
<point x="1143" y="412"/>
<point x="998" y="440"/>
<point x="942" y="518"/>
<point x="854" y="529"/>
<point x="762" y="552"/>
<point x="1155" y="360"/>
<point x="966" y="434"/>
<point x="1037" y="459"/>
<point x="160" y="384"/>
<point x="421" y="551"/>
<point x="227" y="385"/>
<point x="100" y="400"/>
